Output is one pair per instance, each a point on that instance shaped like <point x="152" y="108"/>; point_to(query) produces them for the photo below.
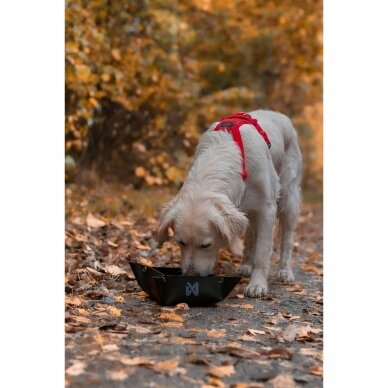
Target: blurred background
<point x="145" y="78"/>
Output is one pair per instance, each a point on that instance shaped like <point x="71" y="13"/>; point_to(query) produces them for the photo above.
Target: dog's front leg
<point x="258" y="285"/>
<point x="250" y="245"/>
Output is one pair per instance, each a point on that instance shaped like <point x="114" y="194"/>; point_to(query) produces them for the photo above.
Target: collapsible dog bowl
<point x="168" y="286"/>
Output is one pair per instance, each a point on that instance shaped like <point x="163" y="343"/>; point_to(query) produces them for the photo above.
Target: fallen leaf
<point x="119" y="299"/>
<point x="215" y="333"/>
<point x="175" y="325"/>
<point x="248" y="338"/>
<point x="243" y="353"/>
<point x="247" y="306"/>
<point x="182" y="306"/>
<point x="143" y="247"/>
<point x="167" y="366"/>
<point x="115" y="311"/>
<point x="73" y="300"/>
<point x="136" y="361"/>
<point x="114" y="270"/>
<point x="296" y="332"/>
<point x="221" y="371"/>
<point x="171" y="317"/>
<point x="214" y="382"/>
<point x="182" y="341"/>
<point x="283" y="381"/>
<point x="119" y="375"/>
<point x="280" y="353"/>
<point x="316" y="370"/>
<point x="77" y="368"/>
<point x="146" y="262"/>
<point x="94" y="222"/>
<point x="254" y="331"/>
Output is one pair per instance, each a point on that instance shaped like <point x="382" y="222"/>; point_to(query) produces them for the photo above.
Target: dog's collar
<point x="232" y="125"/>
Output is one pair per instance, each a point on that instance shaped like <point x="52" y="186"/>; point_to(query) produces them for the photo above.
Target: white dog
<point x="215" y="206"/>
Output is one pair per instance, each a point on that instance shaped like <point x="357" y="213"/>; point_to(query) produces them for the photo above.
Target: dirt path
<point x="118" y="337"/>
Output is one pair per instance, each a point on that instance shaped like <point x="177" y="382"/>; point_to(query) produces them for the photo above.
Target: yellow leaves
<point x="116" y="54"/>
<point x="221" y="371"/>
<point x="174" y="173"/>
<point x="115" y="311"/>
<point x="144" y="261"/>
<point x="171" y="317"/>
<point x="94" y="102"/>
<point x="119" y="299"/>
<point x="105" y="77"/>
<point x="140" y="171"/>
<point x="83" y="72"/>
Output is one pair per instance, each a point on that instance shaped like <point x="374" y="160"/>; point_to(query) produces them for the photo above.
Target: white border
<point x="355" y="193"/>
<point x="32" y="193"/>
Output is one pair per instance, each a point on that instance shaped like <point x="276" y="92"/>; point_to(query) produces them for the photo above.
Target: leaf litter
<point x="114" y="331"/>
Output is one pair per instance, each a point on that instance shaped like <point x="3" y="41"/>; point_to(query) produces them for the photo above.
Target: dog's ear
<point x="167" y="220"/>
<point x="231" y="223"/>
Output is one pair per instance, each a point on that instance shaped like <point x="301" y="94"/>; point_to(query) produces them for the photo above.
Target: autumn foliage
<point x="145" y="78"/>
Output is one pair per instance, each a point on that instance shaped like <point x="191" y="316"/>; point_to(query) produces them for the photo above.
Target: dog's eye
<point x="181" y="243"/>
<point x="203" y="246"/>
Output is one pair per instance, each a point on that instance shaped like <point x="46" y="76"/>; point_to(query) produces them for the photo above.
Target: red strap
<point x="232" y="125"/>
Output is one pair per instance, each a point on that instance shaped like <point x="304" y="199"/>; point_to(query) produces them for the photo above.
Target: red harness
<point x="232" y="125"/>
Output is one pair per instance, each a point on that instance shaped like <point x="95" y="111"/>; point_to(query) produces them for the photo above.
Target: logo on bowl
<point x="192" y="289"/>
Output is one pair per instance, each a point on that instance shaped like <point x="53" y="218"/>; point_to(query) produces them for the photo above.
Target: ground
<point x="117" y="337"/>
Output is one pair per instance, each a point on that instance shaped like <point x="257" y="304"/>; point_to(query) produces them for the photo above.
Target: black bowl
<point x="168" y="286"/>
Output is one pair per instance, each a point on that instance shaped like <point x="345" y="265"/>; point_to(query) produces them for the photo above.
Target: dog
<point x="216" y="207"/>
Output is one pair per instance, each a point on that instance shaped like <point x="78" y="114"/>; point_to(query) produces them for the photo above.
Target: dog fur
<point x="215" y="207"/>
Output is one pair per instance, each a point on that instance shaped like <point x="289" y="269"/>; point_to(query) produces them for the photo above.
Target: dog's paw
<point x="256" y="290"/>
<point x="285" y="275"/>
<point x="244" y="270"/>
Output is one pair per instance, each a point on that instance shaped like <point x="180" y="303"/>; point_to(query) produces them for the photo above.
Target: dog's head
<point x="201" y="227"/>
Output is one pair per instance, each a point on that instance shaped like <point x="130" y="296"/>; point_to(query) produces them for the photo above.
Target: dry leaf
<point x="77" y="368"/>
<point x="214" y="382"/>
<point x="146" y="262"/>
<point x="119" y="299"/>
<point x="94" y="222"/>
<point x="73" y="300"/>
<point x="143" y="247"/>
<point x="254" y="331"/>
<point x="115" y="311"/>
<point x="140" y="172"/>
<point x="167" y="366"/>
<point x="316" y="370"/>
<point x="175" y="325"/>
<point x="114" y="270"/>
<point x="136" y="361"/>
<point x="296" y="332"/>
<point x="119" y="375"/>
<point x="221" y="371"/>
<point x="248" y="338"/>
<point x="240" y="352"/>
<point x="280" y="353"/>
<point x="182" y="341"/>
<point x="215" y="333"/>
<point x="283" y="381"/>
<point x="182" y="306"/>
<point x="171" y="317"/>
